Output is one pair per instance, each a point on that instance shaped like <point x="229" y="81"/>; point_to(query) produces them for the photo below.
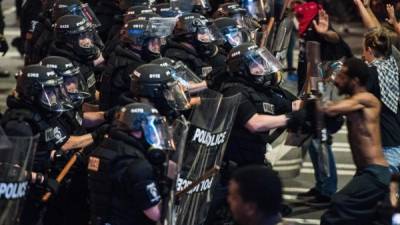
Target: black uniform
<point x="202" y="65"/>
<point x="115" y="79"/>
<point x="244" y="147"/>
<point x="22" y="119"/>
<point x="122" y="183"/>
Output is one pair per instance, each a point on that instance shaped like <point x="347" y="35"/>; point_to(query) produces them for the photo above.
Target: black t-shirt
<point x="390" y="122"/>
<point x="139" y="192"/>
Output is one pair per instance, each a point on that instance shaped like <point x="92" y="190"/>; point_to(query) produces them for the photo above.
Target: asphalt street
<point x="301" y="214"/>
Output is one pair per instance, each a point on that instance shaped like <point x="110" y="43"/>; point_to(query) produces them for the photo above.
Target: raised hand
<point x="323" y="22"/>
<point x="392" y="16"/>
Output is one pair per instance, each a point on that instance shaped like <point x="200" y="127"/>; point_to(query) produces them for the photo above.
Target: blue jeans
<point x="392" y="156"/>
<point x="326" y="184"/>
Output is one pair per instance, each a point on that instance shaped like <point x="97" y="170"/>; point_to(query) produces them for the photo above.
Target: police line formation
<point x="138" y="112"/>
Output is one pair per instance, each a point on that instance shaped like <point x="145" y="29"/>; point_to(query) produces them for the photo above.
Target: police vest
<point x="100" y="177"/>
<point x="264" y="103"/>
<point x="51" y="136"/>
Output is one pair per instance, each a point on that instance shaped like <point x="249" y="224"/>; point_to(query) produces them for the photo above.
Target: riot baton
<point x="63" y="172"/>
<point x="209" y="173"/>
<point x="313" y="91"/>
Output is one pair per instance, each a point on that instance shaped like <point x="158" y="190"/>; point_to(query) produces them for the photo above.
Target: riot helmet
<point x="144" y="121"/>
<point x="254" y="64"/>
<point x="145" y="36"/>
<point x="195" y="27"/>
<point x="196" y="6"/>
<point x="165" y="10"/>
<point x="74" y="7"/>
<point x="134" y="11"/>
<point x="73" y="84"/>
<point x="126" y="4"/>
<point x="41" y="86"/>
<point x="79" y="34"/>
<point x="183" y="74"/>
<point x="233" y="35"/>
<point x="157" y="83"/>
<point x="147" y="16"/>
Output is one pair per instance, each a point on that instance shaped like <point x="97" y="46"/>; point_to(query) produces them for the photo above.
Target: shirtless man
<point x="356" y="203"/>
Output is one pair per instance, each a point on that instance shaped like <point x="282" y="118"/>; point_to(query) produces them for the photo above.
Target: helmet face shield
<point x="176" y="96"/>
<point x="156" y="132"/>
<point x="86" y="40"/>
<point x="54" y="99"/>
<point x="75" y="88"/>
<point x="154" y="45"/>
<point x="261" y="62"/>
<point x="184" y="75"/>
<point x="234" y="36"/>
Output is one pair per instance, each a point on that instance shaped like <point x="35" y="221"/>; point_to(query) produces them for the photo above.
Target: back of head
<point x="260" y="185"/>
<point x="357" y="68"/>
<point x="379" y="41"/>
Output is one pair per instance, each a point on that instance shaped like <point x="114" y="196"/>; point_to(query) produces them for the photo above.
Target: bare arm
<point x="322" y="27"/>
<point x="356" y="102"/>
<point x="92" y="119"/>
<point x="392" y="18"/>
<point x="367" y="16"/>
<point x="75" y="142"/>
<point x="260" y="123"/>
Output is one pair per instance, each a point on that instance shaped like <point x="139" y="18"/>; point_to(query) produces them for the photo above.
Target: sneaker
<point x="4" y="73"/>
<point x="319" y="201"/>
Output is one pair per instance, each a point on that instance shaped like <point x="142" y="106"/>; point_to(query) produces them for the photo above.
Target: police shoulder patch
<point x="93" y="164"/>
<point x="152" y="192"/>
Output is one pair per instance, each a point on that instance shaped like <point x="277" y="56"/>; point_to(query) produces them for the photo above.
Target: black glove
<point x="3" y="44"/>
<point x="99" y="133"/>
<point x="110" y="114"/>
<point x="296" y="119"/>
<point x="47" y="183"/>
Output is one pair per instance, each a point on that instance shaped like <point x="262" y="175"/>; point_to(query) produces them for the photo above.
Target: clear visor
<point x="86" y="40"/>
<point x="85" y="11"/>
<point x="55" y="99"/>
<point x="154" y="45"/>
<point x="176" y="96"/>
<point x="234" y="36"/>
<point x="75" y="88"/>
<point x="161" y="27"/>
<point x="184" y="75"/>
<point x="256" y="8"/>
<point x="156" y="133"/>
<point x="261" y="62"/>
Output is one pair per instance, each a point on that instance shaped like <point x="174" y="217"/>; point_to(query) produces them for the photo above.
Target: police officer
<point x="254" y="73"/>
<point x="193" y="42"/>
<point x="107" y="11"/>
<point x="75" y="40"/>
<point x="128" y="14"/>
<point x="78" y="92"/>
<point x="233" y="35"/>
<point x="41" y="35"/>
<point x="33" y="109"/>
<point x="125" y="170"/>
<point x="139" y="45"/>
<point x="159" y="86"/>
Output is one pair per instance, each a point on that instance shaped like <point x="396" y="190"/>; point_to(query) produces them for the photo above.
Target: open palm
<point x="323" y="22"/>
